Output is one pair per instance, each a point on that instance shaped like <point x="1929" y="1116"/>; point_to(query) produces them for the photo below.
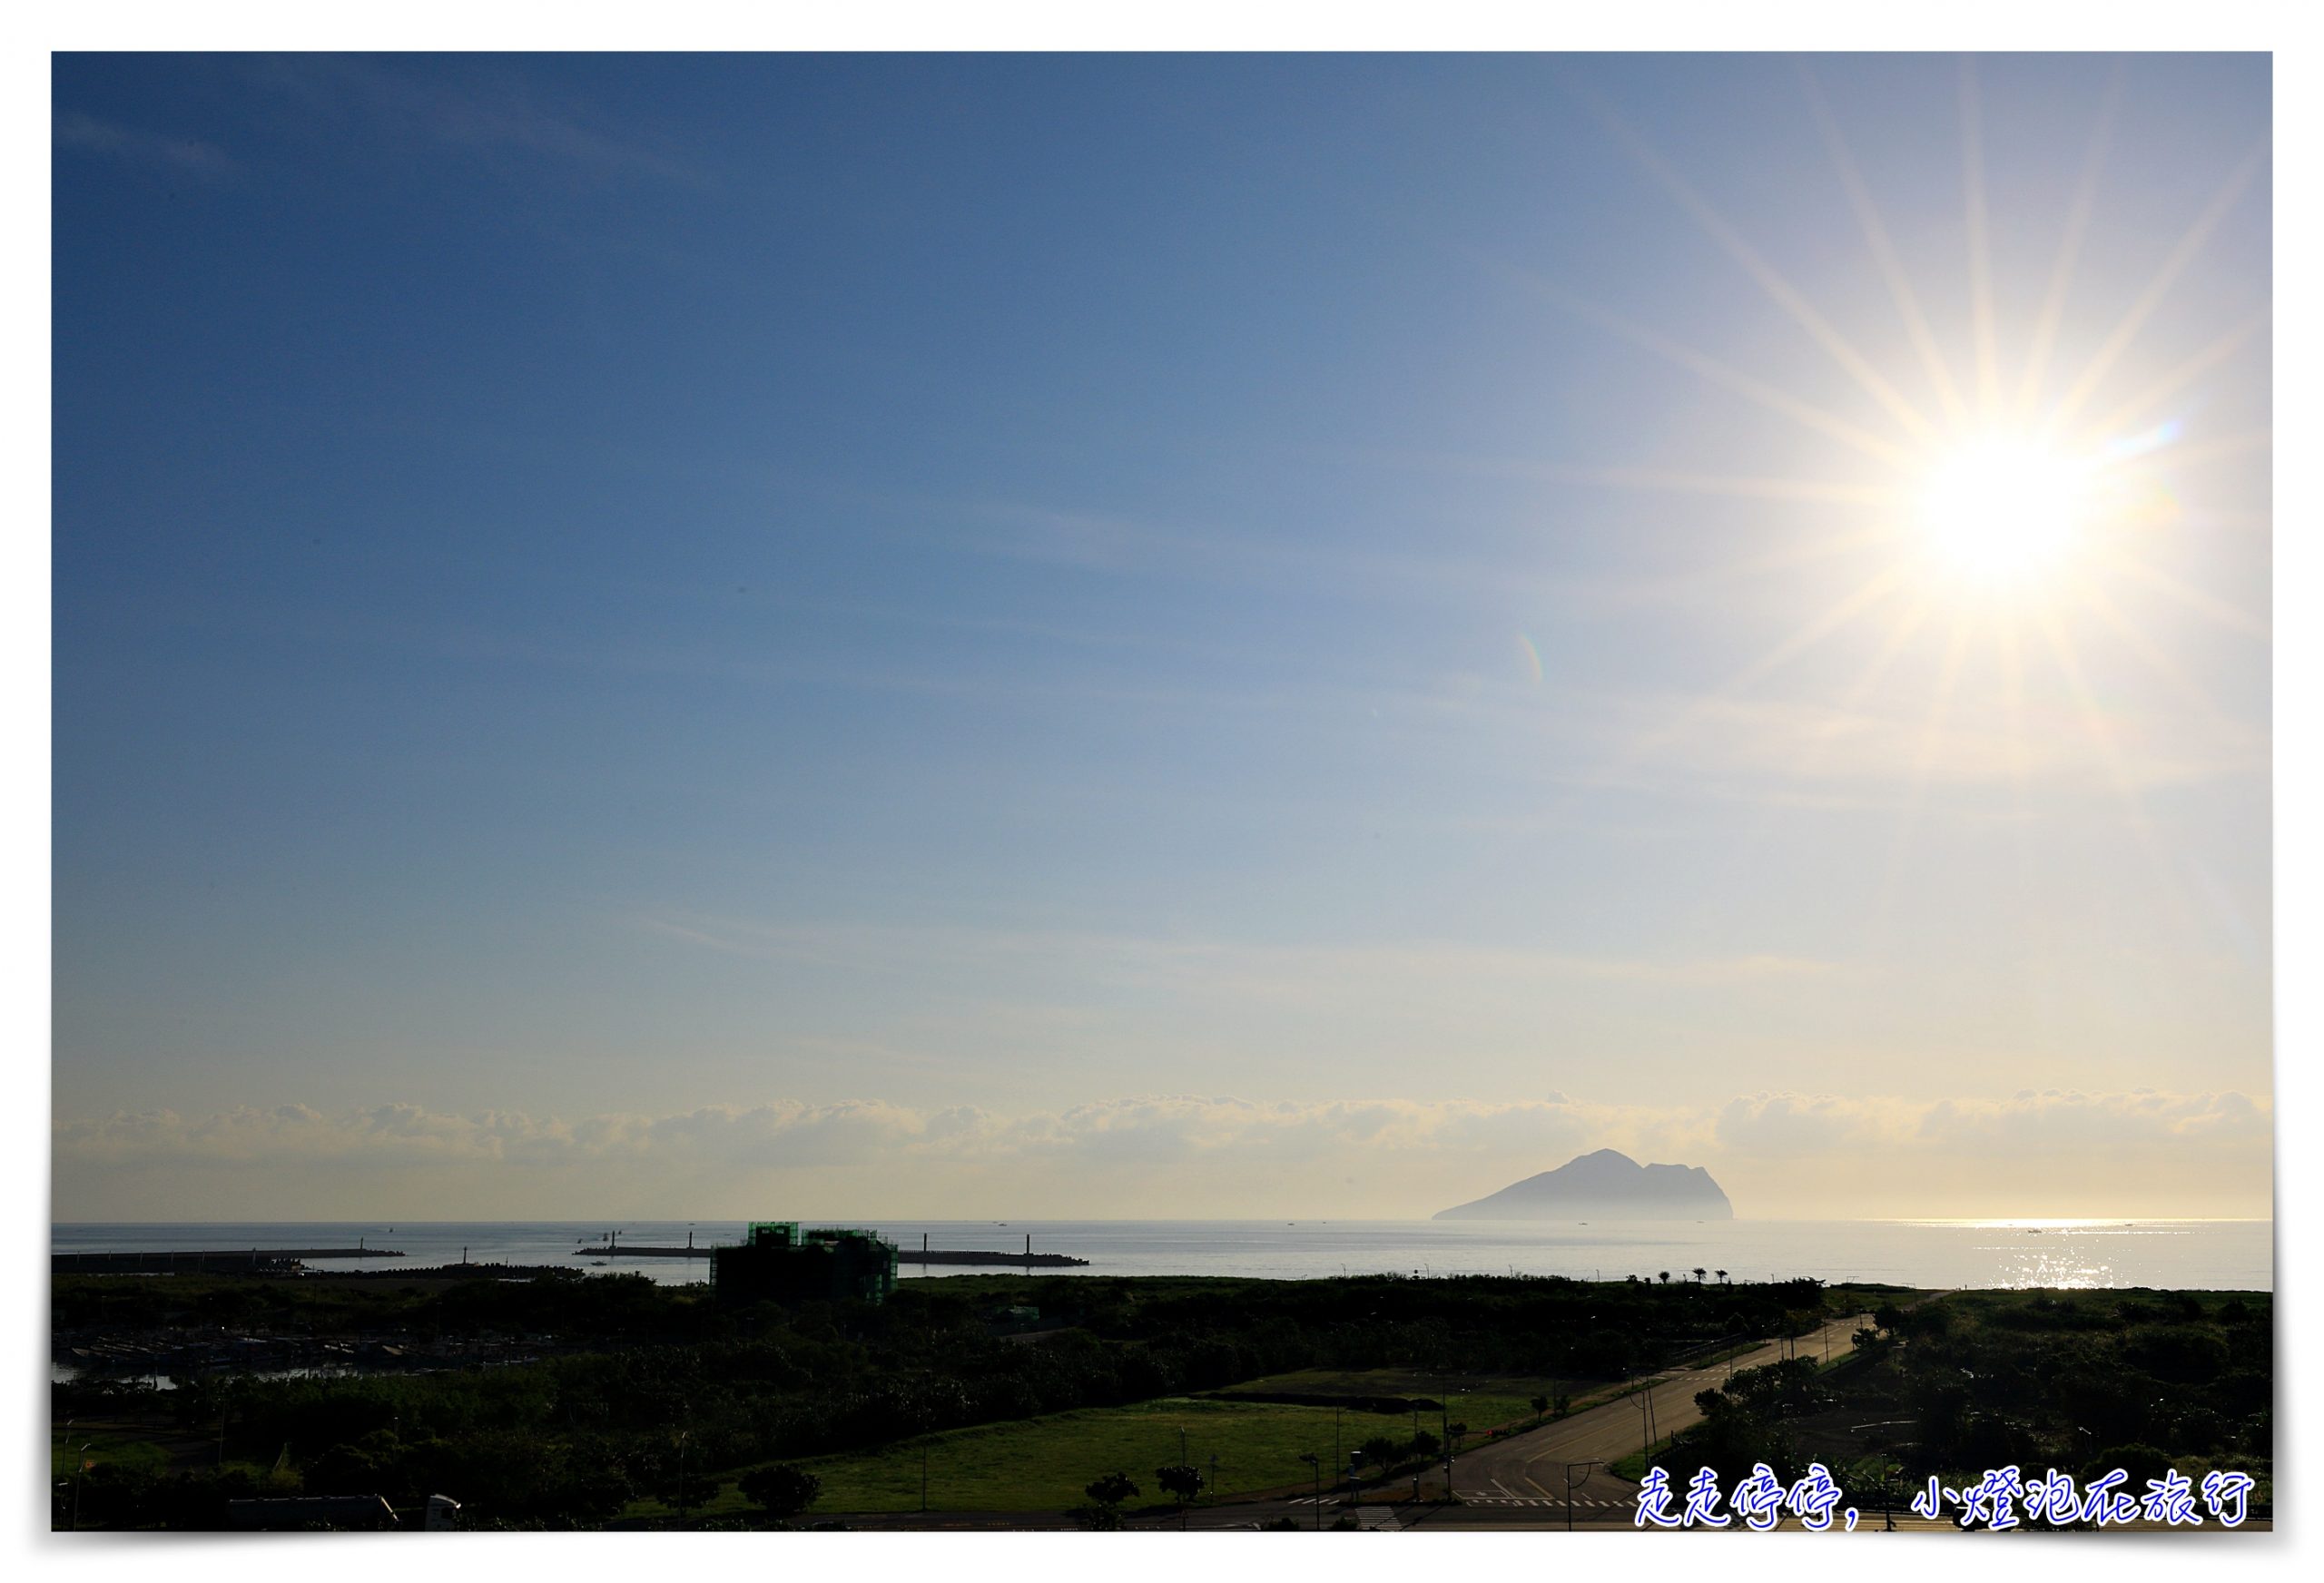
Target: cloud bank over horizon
<point x="2062" y="1152"/>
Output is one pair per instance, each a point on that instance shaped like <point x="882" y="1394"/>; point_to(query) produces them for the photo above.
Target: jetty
<point x="924" y="1254"/>
<point x="239" y="1261"/>
<point x="612" y="1247"/>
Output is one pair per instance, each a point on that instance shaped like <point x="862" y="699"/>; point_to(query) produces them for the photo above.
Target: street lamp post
<point x="80" y="1466"/>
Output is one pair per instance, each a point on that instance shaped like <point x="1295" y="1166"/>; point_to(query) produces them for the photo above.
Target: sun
<point x="2002" y="509"/>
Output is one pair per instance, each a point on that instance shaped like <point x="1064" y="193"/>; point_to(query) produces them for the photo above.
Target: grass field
<point x="115" y="1448"/>
<point x="1041" y="1464"/>
<point x="1481" y="1401"/>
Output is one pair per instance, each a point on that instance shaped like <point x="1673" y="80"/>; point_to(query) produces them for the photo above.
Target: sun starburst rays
<point x="1884" y="252"/>
<point x="1983" y="334"/>
<point x="1779" y="291"/>
<point x="2125" y="331"/>
<point x="2006" y="509"/>
<point x="2054" y="298"/>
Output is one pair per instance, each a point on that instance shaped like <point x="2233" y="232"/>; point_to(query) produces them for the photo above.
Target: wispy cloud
<point x="2058" y="1121"/>
<point x="1184" y="963"/>
<point x="1789" y="743"/>
<point x="1452" y="563"/>
<point x="490" y="113"/>
<point x="158" y="150"/>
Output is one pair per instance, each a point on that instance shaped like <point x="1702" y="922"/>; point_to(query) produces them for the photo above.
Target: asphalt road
<point x="1530" y="1471"/>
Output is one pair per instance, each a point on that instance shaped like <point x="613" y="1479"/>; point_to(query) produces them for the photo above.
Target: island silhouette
<point x="1605" y="1186"/>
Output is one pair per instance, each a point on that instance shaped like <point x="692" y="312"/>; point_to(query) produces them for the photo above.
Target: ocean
<point x="2203" y="1254"/>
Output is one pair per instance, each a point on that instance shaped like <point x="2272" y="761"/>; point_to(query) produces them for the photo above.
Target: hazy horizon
<point x="845" y="1217"/>
<point x="1160" y="637"/>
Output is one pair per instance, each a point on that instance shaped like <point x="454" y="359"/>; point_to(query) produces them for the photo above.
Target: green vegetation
<point x="1483" y="1403"/>
<point x="1042" y="1464"/>
<point x="781" y="1491"/>
<point x="2081" y="1381"/>
<point x="564" y="1303"/>
<point x="632" y="1400"/>
<point x="107" y="1447"/>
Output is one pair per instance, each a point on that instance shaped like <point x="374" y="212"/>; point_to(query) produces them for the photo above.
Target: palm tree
<point x="1666" y="1277"/>
<point x="1722" y="1276"/>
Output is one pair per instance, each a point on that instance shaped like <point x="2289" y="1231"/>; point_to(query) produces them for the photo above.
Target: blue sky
<point x="933" y="599"/>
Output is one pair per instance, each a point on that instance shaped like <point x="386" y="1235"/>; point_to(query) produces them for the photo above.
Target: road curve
<point x="1532" y="1469"/>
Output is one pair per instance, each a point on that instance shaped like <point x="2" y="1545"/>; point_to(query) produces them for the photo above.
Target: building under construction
<point x="778" y="1263"/>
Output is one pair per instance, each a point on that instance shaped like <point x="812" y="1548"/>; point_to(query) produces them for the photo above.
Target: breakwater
<point x="961" y="1256"/>
<point x="612" y="1249"/>
<point x="268" y="1261"/>
<point x="907" y="1256"/>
